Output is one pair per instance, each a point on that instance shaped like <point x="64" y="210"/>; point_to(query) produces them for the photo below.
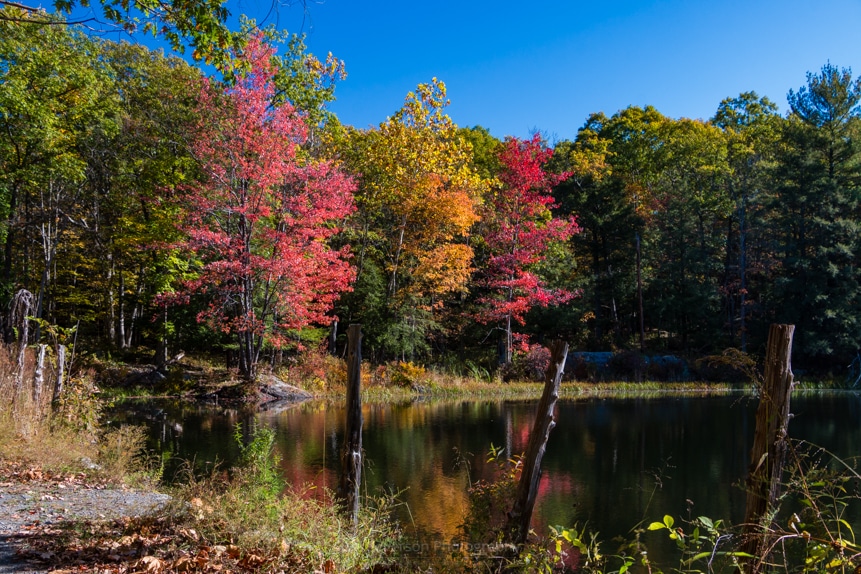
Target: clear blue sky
<point x="514" y="67"/>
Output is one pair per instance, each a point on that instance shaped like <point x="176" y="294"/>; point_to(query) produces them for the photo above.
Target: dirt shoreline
<point x="39" y="510"/>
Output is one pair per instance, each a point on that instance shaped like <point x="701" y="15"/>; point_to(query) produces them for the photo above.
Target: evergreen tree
<point x="817" y="217"/>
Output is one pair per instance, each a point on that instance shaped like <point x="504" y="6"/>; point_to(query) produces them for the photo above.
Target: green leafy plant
<point x="258" y="460"/>
<point x="489" y="501"/>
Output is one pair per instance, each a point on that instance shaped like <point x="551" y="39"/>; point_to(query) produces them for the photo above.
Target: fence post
<point x="351" y="468"/>
<point x="768" y="454"/>
<point x="527" y="489"/>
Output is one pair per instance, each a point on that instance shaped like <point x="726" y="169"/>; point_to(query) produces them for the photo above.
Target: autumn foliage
<point x="520" y="228"/>
<point x="258" y="222"/>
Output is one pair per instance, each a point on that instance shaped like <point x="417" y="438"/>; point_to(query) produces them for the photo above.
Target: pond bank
<point x="41" y="511"/>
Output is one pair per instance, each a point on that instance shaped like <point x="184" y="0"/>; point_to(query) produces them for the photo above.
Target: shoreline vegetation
<point x="150" y="204"/>
<point x="246" y="518"/>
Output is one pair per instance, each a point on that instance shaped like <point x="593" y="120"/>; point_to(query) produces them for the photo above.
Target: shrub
<point x="490" y="501"/>
<point x="406" y="374"/>
<point x="731" y="366"/>
<point x="530" y="364"/>
<point x="315" y="370"/>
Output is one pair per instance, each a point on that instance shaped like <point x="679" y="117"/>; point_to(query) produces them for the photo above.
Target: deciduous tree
<point x="519" y="226"/>
<point x="201" y="22"/>
<point x="259" y="222"/>
<point x="417" y="202"/>
<point x="752" y="126"/>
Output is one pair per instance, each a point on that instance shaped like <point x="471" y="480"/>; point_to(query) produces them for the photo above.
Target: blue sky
<point x="515" y="67"/>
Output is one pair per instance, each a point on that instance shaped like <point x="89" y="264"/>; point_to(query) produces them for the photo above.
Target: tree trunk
<point x="333" y="338"/>
<point x="19" y="319"/>
<point x="111" y="311"/>
<point x="247" y="360"/>
<point x="768" y="454"/>
<point x="509" y="341"/>
<point x="742" y="272"/>
<point x="161" y="348"/>
<point x="640" y="298"/>
<point x="351" y="477"/>
<point x="39" y="376"/>
<point x="121" y="316"/>
<point x="61" y="371"/>
<point x="527" y="489"/>
<point x="9" y="245"/>
<point x="393" y="281"/>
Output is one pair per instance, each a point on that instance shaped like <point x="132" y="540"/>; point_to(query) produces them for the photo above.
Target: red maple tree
<point x="257" y="224"/>
<point x="520" y="226"/>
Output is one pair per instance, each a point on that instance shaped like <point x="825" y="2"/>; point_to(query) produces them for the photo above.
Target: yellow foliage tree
<point x="417" y="200"/>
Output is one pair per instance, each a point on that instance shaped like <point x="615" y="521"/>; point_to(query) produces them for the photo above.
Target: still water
<point x="611" y="462"/>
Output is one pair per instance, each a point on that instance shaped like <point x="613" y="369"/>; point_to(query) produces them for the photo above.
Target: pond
<point x="611" y="462"/>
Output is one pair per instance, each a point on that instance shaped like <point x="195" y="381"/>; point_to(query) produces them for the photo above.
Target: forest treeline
<point x="149" y="206"/>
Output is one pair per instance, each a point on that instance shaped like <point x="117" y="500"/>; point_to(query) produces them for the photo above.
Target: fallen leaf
<point x="183" y="564"/>
<point x="150" y="564"/>
<point x="252" y="561"/>
<point x="191" y="533"/>
<point x="202" y="557"/>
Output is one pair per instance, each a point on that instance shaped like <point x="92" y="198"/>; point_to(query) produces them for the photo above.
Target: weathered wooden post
<point x="351" y="458"/>
<point x="527" y="489"/>
<point x="768" y="454"/>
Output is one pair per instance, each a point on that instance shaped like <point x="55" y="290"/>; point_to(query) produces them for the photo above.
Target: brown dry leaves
<point x="15" y="472"/>
<point x="136" y="545"/>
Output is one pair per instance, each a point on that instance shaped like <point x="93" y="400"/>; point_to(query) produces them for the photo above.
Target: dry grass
<point x="64" y="435"/>
<point x="296" y="528"/>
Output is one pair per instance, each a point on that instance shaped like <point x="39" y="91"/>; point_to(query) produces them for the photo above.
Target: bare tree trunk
<point x="351" y="477"/>
<point x="509" y="341"/>
<point x="161" y="347"/>
<point x="393" y="281"/>
<point x="112" y="307"/>
<point x="22" y="304"/>
<point x="121" y="318"/>
<point x="136" y="310"/>
<point x="61" y="372"/>
<point x="768" y="454"/>
<point x="527" y="489"/>
<point x="39" y="375"/>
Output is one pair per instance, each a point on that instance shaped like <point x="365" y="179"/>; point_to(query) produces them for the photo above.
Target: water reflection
<point x="614" y="463"/>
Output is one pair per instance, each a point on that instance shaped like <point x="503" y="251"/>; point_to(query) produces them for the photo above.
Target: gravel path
<point x="40" y="507"/>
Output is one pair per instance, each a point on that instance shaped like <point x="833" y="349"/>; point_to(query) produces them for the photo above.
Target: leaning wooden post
<point x="768" y="454"/>
<point x="527" y="489"/>
<point x="351" y="458"/>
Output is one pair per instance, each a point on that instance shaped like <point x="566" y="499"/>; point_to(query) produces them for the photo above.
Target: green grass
<point x="480" y="390"/>
<point x="298" y="528"/>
